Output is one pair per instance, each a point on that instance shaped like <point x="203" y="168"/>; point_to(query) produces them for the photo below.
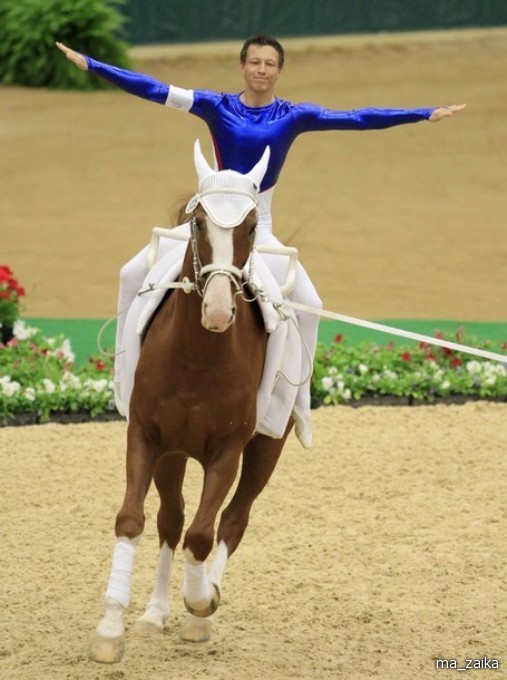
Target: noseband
<point x="204" y="274"/>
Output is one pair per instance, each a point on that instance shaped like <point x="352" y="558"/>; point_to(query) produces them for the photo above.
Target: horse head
<point x="224" y="219"/>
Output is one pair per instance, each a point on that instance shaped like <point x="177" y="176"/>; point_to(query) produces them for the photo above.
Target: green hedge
<point x="30" y="28"/>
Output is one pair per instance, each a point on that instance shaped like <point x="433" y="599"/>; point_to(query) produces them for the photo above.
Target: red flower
<point x="338" y="338"/>
<point x="406" y="356"/>
<point x="456" y="362"/>
<point x="5" y="273"/>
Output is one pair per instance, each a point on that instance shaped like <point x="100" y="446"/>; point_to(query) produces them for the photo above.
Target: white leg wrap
<point x="121" y="571"/>
<point x="217" y="569"/>
<point x="196" y="586"/>
<point x="159" y="599"/>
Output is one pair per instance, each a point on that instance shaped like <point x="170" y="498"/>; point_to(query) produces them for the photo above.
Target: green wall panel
<point x="177" y="21"/>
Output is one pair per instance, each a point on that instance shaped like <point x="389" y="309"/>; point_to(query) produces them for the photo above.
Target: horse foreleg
<point x="201" y="593"/>
<point x="169" y="474"/>
<point x="108" y="644"/>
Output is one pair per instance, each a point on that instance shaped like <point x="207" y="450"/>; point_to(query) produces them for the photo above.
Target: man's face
<point x="261" y="69"/>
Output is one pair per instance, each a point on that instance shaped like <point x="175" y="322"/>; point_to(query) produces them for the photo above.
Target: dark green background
<point x="177" y="21"/>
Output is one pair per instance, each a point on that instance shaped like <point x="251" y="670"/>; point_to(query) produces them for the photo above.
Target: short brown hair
<point x="262" y="39"/>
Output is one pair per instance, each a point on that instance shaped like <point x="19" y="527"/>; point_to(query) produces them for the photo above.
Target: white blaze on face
<point x="218" y="305"/>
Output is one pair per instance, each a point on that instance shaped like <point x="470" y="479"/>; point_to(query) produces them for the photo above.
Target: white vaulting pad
<point x="276" y="396"/>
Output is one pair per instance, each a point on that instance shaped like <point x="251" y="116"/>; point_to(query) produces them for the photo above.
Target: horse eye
<point x="252" y="230"/>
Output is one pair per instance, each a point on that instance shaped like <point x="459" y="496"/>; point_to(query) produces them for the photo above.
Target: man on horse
<point x="242" y="125"/>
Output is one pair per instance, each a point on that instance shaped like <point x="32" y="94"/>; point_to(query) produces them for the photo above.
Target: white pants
<point x="133" y="273"/>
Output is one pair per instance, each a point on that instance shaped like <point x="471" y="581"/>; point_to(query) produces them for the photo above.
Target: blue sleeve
<point x="130" y="81"/>
<point x="312" y="117"/>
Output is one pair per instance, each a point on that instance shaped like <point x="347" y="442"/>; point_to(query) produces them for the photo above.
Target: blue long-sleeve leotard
<point x="240" y="133"/>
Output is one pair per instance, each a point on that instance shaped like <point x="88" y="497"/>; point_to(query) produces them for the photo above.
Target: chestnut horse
<point x="194" y="396"/>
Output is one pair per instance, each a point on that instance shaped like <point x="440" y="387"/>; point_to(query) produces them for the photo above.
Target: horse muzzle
<point x="217" y="318"/>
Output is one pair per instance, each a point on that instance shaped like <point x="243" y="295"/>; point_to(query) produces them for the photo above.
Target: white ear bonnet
<point x="227" y="196"/>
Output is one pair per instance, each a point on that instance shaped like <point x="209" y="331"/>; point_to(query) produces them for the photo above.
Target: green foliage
<point x="30" y="28"/>
<point x="38" y="375"/>
<point x="424" y="373"/>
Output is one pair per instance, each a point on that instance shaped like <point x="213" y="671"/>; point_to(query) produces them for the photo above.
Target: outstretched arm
<point x="445" y="112"/>
<point x="75" y="57"/>
<point x="134" y="83"/>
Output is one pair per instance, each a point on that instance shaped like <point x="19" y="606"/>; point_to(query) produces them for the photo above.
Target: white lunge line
<point x="485" y="354"/>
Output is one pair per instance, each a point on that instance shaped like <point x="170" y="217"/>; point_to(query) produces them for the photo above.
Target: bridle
<point x="203" y="274"/>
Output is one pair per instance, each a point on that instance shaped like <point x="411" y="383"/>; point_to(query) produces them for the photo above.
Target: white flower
<point x="9" y="387"/>
<point x="64" y="351"/>
<point x="347" y="394"/>
<point x="22" y="331"/>
<point x="29" y="393"/>
<point x="70" y="380"/>
<point x="362" y="369"/>
<point x="49" y="385"/>
<point x="327" y="383"/>
<point x="97" y="385"/>
<point x="474" y="367"/>
<point x="445" y="385"/>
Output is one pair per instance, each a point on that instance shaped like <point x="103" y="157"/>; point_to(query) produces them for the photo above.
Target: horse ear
<point x="257" y="173"/>
<point x="201" y="164"/>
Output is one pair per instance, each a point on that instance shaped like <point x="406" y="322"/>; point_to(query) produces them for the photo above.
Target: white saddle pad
<point x="283" y="364"/>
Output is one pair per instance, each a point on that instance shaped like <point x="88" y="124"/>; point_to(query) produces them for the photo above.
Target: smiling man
<point x="241" y="126"/>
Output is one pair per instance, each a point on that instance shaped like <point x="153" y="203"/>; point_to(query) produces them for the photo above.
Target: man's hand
<point x="445" y="112"/>
<point x="75" y="57"/>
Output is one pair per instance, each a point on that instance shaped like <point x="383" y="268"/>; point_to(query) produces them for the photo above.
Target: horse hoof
<point x="106" y="650"/>
<point x="196" y="629"/>
<point x="209" y="609"/>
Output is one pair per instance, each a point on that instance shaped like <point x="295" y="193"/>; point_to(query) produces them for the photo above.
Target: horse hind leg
<point x="260" y="458"/>
<point x="169" y="475"/>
